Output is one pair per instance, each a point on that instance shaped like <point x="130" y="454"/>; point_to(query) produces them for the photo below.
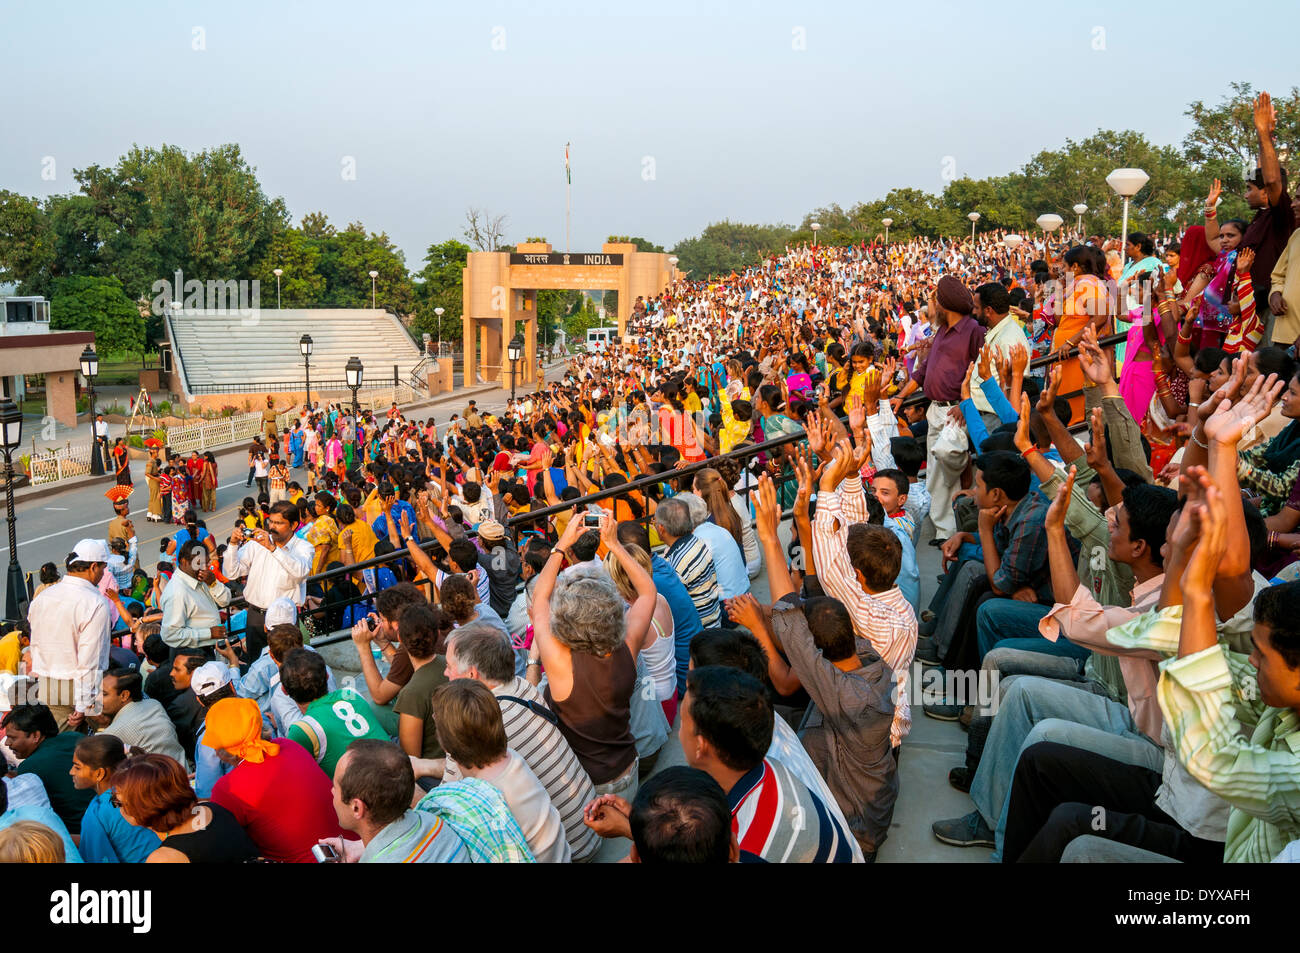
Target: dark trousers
<point x="250" y="477"/>
<point x="167" y="507"/>
<point x="254" y="636"/>
<point x="263" y="486"/>
<point x="1059" y="793"/>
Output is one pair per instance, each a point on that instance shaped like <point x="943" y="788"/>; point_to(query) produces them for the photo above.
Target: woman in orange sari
<point x="1086" y="301"/>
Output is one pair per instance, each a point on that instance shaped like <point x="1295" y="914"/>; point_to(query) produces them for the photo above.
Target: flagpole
<point x="568" y="186"/>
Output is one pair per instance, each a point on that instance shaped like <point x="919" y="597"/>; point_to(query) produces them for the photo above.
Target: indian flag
<point x="568" y="176"/>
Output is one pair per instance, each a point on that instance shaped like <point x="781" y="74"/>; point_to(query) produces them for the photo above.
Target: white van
<point x="599" y="338"/>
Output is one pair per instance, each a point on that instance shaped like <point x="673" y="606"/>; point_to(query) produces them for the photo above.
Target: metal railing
<point x="50" y="466"/>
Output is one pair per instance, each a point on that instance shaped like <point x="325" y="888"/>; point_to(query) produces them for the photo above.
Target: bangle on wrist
<point x="1197" y="441"/>
<point x="1031" y="450"/>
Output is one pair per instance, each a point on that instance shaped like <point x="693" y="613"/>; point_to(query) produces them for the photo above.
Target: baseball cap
<point x="209" y="677"/>
<point x="491" y="529"/>
<point x="281" y="612"/>
<point x="91" y="551"/>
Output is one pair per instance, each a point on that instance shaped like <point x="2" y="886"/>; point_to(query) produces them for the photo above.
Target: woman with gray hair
<point x="588" y="647"/>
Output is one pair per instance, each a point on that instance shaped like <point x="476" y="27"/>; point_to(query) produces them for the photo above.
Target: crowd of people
<point x="710" y="528"/>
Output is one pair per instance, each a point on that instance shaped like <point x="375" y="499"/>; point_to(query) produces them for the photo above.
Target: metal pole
<point x="1123" y="239"/>
<point x="277" y="292"/>
<point x="306" y="366"/>
<point x="16" y="593"/>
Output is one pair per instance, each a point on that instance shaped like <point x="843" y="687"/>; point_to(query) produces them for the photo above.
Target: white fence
<point x="214" y="433"/>
<point x="50" y="467"/>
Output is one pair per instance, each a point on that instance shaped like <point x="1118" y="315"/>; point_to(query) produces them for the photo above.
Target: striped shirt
<point x="778" y="820"/>
<point x="884" y="620"/>
<point x="1259" y="777"/>
<point x="416" y="838"/>
<point x="691" y="558"/>
<point x="547" y="753"/>
<point x="478" y="812"/>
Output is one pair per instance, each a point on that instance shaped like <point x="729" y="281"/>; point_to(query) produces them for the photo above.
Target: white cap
<point x="281" y="612"/>
<point x="209" y="677"/>
<point x="91" y="551"/>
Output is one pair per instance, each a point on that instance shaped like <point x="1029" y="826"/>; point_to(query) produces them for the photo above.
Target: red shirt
<point x="286" y="804"/>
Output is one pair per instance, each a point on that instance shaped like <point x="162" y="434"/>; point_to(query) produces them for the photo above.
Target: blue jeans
<point x="1038" y="709"/>
<point x="1012" y="624"/>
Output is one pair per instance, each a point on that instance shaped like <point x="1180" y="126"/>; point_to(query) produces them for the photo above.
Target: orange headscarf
<point x="236" y="725"/>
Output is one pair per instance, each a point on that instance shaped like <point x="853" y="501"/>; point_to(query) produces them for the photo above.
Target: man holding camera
<point x="276" y="564"/>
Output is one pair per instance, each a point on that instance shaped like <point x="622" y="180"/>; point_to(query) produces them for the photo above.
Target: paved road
<point x="49" y="527"/>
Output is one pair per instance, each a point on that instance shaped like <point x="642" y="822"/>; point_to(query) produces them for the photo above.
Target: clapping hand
<point x="1230" y="420"/>
<point x="1095" y="452"/>
<point x="767" y="511"/>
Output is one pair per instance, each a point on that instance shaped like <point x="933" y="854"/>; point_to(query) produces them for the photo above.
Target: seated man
<point x="373" y="788"/>
<point x="33" y="735"/>
<point x="138" y="721"/>
<point x="679" y="816"/>
<point x="691" y="558"/>
<point x="330" y="720"/>
<point x="726" y="729"/>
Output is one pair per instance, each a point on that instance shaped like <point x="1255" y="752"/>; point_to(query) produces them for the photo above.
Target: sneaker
<point x="959" y="777"/>
<point x="943" y="712"/>
<point x="967" y="831"/>
<point x="926" y="651"/>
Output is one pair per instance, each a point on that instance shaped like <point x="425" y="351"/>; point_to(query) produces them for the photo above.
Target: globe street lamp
<point x="353" y="372"/>
<point x="439" y="312"/>
<point x="974" y="217"/>
<point x="304" y="345"/>
<point x="373" y="276"/>
<point x="1126" y="183"/>
<point x="514" y="351"/>
<point x="1049" y="221"/>
<point x="277" y="272"/>
<point x="11" y="419"/>
<point x="886" y="222"/>
<point x="1012" y="241"/>
<point x="1079" y="210"/>
<point x="814" y="226"/>
<point x="90" y="370"/>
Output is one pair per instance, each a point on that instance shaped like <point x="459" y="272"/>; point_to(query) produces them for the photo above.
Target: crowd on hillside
<point x="710" y="528"/>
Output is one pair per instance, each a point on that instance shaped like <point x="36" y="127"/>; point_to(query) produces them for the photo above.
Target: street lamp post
<point x="353" y="371"/>
<point x="89" y="370"/>
<point x="974" y="217"/>
<point x="277" y="272"/>
<point x="11" y="418"/>
<point x="886" y="222"/>
<point x="1126" y="183"/>
<point x="815" y="226"/>
<point x="1079" y="210"/>
<point x="439" y="313"/>
<point x="373" y="276"/>
<point x="514" y="351"/>
<point x="304" y="345"/>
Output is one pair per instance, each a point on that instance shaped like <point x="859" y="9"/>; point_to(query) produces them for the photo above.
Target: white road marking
<point x="73" y="529"/>
<point x="61" y="509"/>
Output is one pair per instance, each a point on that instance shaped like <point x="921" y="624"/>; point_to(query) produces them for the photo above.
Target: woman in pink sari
<point x="333" y="451"/>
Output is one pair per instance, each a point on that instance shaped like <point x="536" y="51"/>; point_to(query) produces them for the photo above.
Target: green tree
<point x="27" y="243"/>
<point x="301" y="285"/>
<point x="1223" y="143"/>
<point x="346" y="259"/>
<point x="100" y="305"/>
<point x="440" y="285"/>
<point x="724" y="247"/>
<point x="642" y="244"/>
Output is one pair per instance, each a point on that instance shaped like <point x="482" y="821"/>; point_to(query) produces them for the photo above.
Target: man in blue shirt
<point x="686" y="618"/>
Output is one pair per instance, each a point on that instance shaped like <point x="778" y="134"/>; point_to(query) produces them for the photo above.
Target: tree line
<point x="96" y="252"/>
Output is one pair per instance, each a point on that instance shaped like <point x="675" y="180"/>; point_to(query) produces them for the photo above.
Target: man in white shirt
<point x="276" y="562"/>
<point x="70" y="634"/>
<point x="192" y="600"/>
<point x="993" y="307"/>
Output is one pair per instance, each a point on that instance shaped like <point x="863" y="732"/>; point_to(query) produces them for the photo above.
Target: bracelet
<point x="1203" y="446"/>
<point x="1026" y="453"/>
<point x="534" y="661"/>
<point x="1272" y="539"/>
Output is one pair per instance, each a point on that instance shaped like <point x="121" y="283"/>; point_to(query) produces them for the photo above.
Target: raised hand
<point x="1265" y="116"/>
<point x="1055" y="518"/>
<point x="1230" y="420"/>
<point x="1019" y="357"/>
<point x="965" y="382"/>
<point x="1095" y="451"/>
<point x="985" y="367"/>
<point x="1092" y="359"/>
<point x="857" y="413"/>
<point x="1023" y="440"/>
<point x="1047" y="396"/>
<point x="767" y="511"/>
<point x="1228" y="390"/>
<point x="1212" y="199"/>
<point x="1245" y="259"/>
<point x="839" y="467"/>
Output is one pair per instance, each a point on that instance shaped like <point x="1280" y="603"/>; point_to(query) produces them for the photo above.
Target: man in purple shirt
<point x="953" y="349"/>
